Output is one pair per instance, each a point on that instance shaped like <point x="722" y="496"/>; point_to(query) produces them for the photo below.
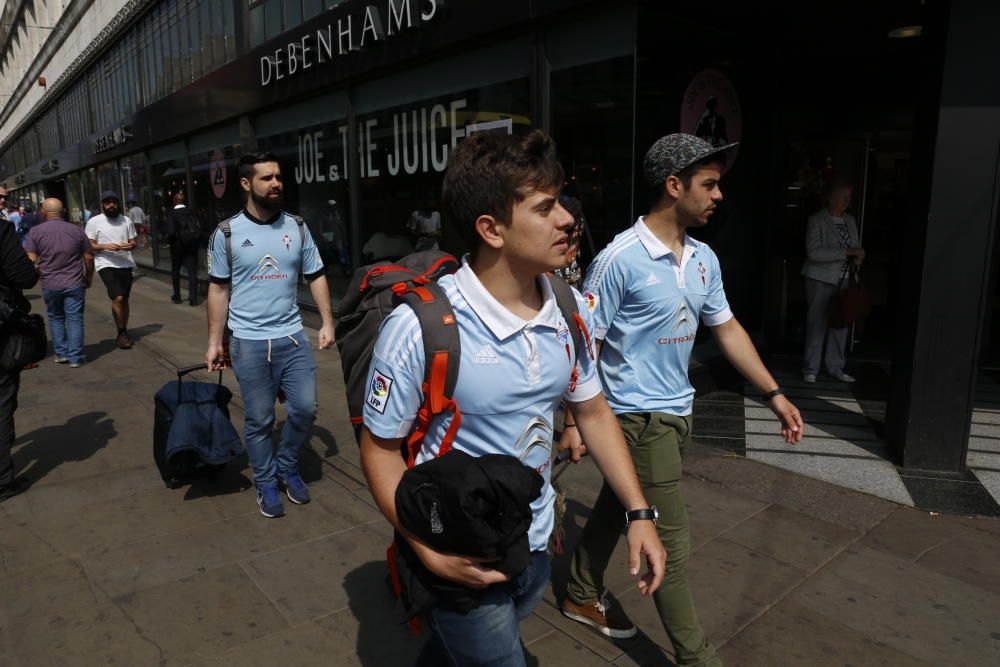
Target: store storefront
<point x="438" y="76"/>
<point x="363" y="100"/>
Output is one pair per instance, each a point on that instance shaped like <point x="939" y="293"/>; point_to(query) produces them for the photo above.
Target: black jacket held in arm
<point x="469" y="506"/>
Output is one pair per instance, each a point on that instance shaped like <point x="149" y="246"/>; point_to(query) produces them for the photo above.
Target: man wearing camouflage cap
<point x="647" y="291"/>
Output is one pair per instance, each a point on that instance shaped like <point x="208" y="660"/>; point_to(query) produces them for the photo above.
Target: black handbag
<point x="22" y="338"/>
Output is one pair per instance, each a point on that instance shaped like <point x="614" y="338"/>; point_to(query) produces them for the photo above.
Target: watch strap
<point x="648" y="514"/>
<point x="774" y="392"/>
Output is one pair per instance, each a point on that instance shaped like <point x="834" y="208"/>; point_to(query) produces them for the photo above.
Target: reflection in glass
<point x="215" y="192"/>
<point x="169" y="178"/>
<point x="403" y="155"/>
<point x="592" y="126"/>
<point x="138" y="202"/>
<point x="314" y="169"/>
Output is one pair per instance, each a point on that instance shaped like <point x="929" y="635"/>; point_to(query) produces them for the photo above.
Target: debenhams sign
<point x="359" y="29"/>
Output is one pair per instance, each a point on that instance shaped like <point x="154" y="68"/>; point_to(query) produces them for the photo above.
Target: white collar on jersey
<point x="655" y="247"/>
<point x="500" y="321"/>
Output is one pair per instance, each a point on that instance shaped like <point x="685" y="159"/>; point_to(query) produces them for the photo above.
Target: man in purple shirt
<point x="65" y="262"/>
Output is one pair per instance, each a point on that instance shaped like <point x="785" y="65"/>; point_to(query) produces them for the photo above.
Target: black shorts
<point x="117" y="281"/>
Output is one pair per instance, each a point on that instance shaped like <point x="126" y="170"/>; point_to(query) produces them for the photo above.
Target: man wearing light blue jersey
<point x="253" y="273"/>
<point x="647" y="290"/>
<point x="517" y="363"/>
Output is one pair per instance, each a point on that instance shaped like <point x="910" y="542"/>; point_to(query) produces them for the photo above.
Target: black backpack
<point x="375" y="291"/>
<point x="188" y="226"/>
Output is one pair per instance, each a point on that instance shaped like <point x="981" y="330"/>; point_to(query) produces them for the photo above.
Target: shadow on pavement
<point x="41" y="451"/>
<point x="330" y="442"/>
<point x="229" y="480"/>
<point x="97" y="350"/>
<point x="383" y="638"/>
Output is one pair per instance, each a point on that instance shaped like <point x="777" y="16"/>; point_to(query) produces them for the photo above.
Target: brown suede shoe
<point x="124" y="342"/>
<point x="602" y="615"/>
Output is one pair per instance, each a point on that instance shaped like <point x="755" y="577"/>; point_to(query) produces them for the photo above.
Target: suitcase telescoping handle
<point x="181" y="372"/>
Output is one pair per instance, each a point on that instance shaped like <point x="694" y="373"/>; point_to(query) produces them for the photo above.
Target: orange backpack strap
<point x="442" y="352"/>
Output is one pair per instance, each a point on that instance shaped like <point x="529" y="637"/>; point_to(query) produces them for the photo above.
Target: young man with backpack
<point x="255" y="259"/>
<point x="183" y="234"/>
<point x="648" y="289"/>
<point x="518" y="361"/>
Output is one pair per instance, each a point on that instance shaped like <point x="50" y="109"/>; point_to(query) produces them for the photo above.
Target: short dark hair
<point x="489" y="173"/>
<point x="247" y="164"/>
<point x="687" y="173"/>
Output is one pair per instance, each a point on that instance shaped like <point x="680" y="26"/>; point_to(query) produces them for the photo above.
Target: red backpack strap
<point x="442" y="352"/>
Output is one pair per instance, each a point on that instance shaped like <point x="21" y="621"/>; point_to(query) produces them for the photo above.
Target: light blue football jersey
<point x="267" y="261"/>
<point x="646" y="306"/>
<point x="512" y="375"/>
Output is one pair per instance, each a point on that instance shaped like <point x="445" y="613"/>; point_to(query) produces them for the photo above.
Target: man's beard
<point x="266" y="204"/>
<point x="111" y="211"/>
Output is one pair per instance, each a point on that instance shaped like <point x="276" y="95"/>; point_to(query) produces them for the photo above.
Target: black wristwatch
<point x="650" y="514"/>
<point x="774" y="392"/>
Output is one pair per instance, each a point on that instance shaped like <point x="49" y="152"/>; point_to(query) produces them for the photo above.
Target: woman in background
<point x="831" y="247"/>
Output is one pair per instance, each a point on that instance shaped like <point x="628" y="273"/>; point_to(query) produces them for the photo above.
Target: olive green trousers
<point x="657" y="442"/>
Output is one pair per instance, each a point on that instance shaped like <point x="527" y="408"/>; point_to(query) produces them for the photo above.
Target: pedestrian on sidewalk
<point x="832" y="248"/>
<point x="4" y="215"/>
<point x="648" y="289"/>
<point x="503" y="192"/>
<point x="13" y="213"/>
<point x="112" y="237"/>
<point x="16" y="273"/>
<point x="28" y="220"/>
<point x="253" y="282"/>
<point x="184" y="235"/>
<point x="65" y="262"/>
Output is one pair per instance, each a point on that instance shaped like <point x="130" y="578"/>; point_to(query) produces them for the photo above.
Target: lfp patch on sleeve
<point x="591" y="300"/>
<point x="378" y="392"/>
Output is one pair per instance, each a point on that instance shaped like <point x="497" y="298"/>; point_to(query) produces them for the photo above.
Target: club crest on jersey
<point x="591" y="300"/>
<point x="287" y="240"/>
<point x="702" y="270"/>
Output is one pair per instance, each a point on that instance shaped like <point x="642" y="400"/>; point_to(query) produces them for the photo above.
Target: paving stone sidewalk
<point x="100" y="564"/>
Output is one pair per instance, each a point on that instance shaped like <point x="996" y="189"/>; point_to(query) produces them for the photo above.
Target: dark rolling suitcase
<point x="187" y="465"/>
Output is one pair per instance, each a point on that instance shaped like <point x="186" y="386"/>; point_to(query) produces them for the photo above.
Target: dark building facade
<point x="362" y="100"/>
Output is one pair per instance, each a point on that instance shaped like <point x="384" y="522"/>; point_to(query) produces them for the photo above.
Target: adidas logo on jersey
<point x="486" y="355"/>
<point x="247" y="244"/>
<point x="652" y="280"/>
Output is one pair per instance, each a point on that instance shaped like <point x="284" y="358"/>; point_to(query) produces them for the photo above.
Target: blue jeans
<point x="490" y="634"/>
<point x="65" y="308"/>
<point x="262" y="367"/>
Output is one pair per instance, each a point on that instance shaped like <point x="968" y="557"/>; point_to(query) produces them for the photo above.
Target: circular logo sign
<point x="217" y="174"/>
<point x="711" y="110"/>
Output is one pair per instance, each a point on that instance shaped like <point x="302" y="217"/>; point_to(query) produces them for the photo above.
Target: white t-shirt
<point x="120" y="230"/>
<point x="137" y="215"/>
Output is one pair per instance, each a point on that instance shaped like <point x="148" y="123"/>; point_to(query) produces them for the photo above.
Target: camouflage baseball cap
<point x="674" y="153"/>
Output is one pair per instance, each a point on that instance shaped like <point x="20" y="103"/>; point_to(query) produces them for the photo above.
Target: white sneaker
<point x="843" y="377"/>
<point x="809" y="377"/>
<point x="62" y="360"/>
